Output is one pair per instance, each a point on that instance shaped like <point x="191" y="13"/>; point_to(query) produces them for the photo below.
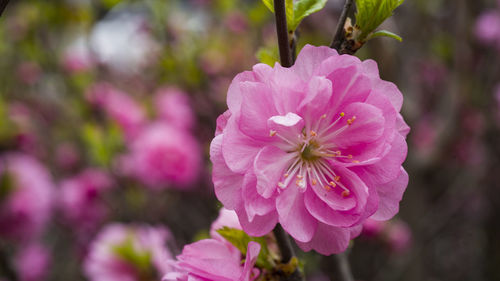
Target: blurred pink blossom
<point x="122" y="108"/>
<point x="77" y="56"/>
<point x="80" y="200"/>
<point x="399" y="236"/>
<point x="128" y="253"/>
<point x="32" y="262"/>
<point x="172" y="105"/>
<point x="26" y="196"/>
<point x="67" y="155"/>
<point x="163" y="155"/>
<point x="317" y="147"/>
<point x="487" y="28"/>
<point x="373" y="228"/>
<point x="29" y="72"/>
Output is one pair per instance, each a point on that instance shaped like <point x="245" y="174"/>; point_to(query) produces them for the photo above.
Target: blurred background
<point x="108" y="107"/>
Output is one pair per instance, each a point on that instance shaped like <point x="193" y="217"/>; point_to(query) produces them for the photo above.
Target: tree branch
<point x="282" y="31"/>
<point x="338" y="38"/>
<point x="343" y="267"/>
<point x="284" y="243"/>
<point x="3" y="5"/>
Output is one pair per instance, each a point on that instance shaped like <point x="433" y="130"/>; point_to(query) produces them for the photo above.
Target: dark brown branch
<point x="282" y="31"/>
<point x="339" y="37"/>
<point x="284" y="244"/>
<point x="3" y="5"/>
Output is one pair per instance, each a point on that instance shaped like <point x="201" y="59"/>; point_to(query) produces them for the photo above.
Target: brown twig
<point x="339" y="36"/>
<point x="3" y="5"/>
<point x="282" y="31"/>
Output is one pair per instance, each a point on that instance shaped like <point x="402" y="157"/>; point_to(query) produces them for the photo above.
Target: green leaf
<point x="386" y="34"/>
<point x="240" y="240"/>
<point x="268" y="56"/>
<point x="372" y="13"/>
<point x="269" y="4"/>
<point x="127" y="252"/>
<point x="304" y="8"/>
<point x="290" y="14"/>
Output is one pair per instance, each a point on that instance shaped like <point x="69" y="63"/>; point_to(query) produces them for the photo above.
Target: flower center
<point x="312" y="151"/>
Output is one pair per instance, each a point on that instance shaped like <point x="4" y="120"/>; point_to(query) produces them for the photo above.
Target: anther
<point x="281" y="185"/>
<point x="299" y="177"/>
<point x="272" y="133"/>
<point x="285" y="175"/>
<point x="345" y="193"/>
<point x="355" y="161"/>
<point x="323" y="116"/>
<point x="313" y="133"/>
<point x="332" y="184"/>
<point x="314" y="182"/>
<point x="327" y="188"/>
<point x="337" y="178"/>
<point x="342" y="114"/>
<point x="349" y="156"/>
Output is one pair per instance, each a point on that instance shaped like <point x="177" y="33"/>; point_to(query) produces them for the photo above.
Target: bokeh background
<point x="107" y="109"/>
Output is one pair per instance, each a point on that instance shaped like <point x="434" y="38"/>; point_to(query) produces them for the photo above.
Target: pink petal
<point x="328" y="240"/>
<point x="260" y="225"/>
<point x="256" y="108"/>
<point x="238" y="150"/>
<point x="330" y="207"/>
<point x="390" y="194"/>
<point x="227" y="184"/>
<point x="234" y="96"/>
<point x="269" y="166"/>
<point x="255" y="204"/>
<point x="253" y="250"/>
<point x="310" y="58"/>
<point x="294" y="216"/>
<point x="316" y="102"/>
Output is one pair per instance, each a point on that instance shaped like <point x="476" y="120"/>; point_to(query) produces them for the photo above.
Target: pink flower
<point x="128" y="253"/>
<point x="214" y="260"/>
<point x="79" y="199"/>
<point x="119" y="106"/>
<point x="26" y="196"/>
<point x="173" y="106"/>
<point x="32" y="263"/>
<point x="163" y="155"/>
<point x="317" y="147"/>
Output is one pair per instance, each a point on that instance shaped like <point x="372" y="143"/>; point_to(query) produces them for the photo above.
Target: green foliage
<point x="102" y="145"/>
<point x="127" y="252"/>
<point x="385" y="33"/>
<point x="372" y="13"/>
<point x="303" y="9"/>
<point x="240" y="240"/>
<point x="268" y="56"/>
<point x="296" y="11"/>
<point x="6" y="185"/>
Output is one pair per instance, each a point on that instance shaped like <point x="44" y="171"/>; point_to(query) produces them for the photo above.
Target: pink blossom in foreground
<point x="214" y="260"/>
<point x="163" y="155"/>
<point x="32" y="262"/>
<point x="80" y="199"/>
<point x="26" y="196"/>
<point x="172" y="106"/>
<point x="128" y="253"/>
<point x="317" y="147"/>
<point x="120" y="107"/>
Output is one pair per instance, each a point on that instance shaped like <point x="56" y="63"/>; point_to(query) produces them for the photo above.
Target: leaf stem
<point x="338" y="38"/>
